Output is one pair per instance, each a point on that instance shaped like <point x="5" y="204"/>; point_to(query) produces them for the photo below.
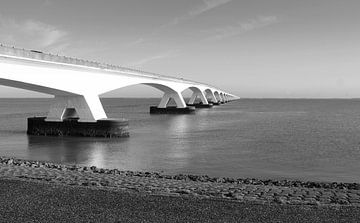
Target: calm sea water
<point x="263" y="138"/>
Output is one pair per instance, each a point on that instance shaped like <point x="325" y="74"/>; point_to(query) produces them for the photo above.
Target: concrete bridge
<point x="77" y="84"/>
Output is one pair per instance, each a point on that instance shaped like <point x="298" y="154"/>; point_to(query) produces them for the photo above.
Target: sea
<point x="296" y="139"/>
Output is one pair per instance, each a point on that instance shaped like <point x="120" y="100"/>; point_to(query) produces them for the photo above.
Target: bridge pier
<point x="211" y="97"/>
<point x="107" y="128"/>
<point x="204" y="102"/>
<point x="88" y="108"/>
<point x="222" y="98"/>
<point x="77" y="115"/>
<point x="180" y="108"/>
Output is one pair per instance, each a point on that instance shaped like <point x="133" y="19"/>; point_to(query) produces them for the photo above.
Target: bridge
<point x="77" y="84"/>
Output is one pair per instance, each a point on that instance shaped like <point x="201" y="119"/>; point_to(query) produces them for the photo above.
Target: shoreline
<point x="186" y="177"/>
<point x="201" y="186"/>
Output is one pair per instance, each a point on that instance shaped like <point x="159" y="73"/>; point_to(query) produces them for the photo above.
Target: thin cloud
<point x="32" y="34"/>
<point x="242" y="27"/>
<point x="135" y="42"/>
<point x="147" y="60"/>
<point x="206" y="6"/>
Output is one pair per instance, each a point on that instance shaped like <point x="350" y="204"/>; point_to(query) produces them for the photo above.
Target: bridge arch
<point x="210" y="95"/>
<point x="197" y="92"/>
<point x="65" y="104"/>
<point x="33" y="87"/>
<point x="222" y="96"/>
<point x="170" y="92"/>
<point x="217" y="96"/>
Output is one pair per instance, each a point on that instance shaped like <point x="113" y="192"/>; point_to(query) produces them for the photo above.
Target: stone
<point x="10" y="161"/>
<point x="227" y="195"/>
<point x="183" y="191"/>
<point x="85" y="183"/>
<point x="343" y="201"/>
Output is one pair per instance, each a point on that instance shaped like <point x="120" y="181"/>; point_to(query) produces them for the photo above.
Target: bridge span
<point x="77" y="84"/>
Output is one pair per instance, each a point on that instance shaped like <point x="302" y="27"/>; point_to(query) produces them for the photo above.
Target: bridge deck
<point x="40" y="56"/>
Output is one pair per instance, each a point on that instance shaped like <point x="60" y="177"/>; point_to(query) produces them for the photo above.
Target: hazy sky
<point x="252" y="48"/>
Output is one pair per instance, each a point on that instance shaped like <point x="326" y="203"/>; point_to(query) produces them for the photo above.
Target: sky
<point x="251" y="48"/>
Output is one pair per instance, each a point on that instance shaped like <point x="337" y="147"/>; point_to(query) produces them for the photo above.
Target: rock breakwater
<point x="249" y="190"/>
<point x="184" y="177"/>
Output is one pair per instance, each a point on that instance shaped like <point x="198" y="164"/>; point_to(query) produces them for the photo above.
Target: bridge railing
<point x="38" y="55"/>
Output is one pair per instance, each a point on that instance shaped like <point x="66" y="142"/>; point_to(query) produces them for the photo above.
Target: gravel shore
<point x="239" y="190"/>
<point x="31" y="201"/>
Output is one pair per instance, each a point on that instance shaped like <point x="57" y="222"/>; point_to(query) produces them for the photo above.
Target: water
<point x="265" y="138"/>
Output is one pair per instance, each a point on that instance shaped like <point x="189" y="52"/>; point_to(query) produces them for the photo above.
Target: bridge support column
<point x="88" y="108"/>
<point x="77" y="115"/>
<point x="179" y="100"/>
<point x="198" y="94"/>
<point x="204" y="102"/>
<point x="218" y="98"/>
<point x="213" y="98"/>
<point x="180" y="107"/>
<point x="222" y="99"/>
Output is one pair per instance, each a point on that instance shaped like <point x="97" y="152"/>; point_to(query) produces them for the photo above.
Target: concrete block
<point x="108" y="128"/>
<point x="172" y="110"/>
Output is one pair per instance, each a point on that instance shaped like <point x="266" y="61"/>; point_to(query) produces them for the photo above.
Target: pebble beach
<point x="238" y="190"/>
